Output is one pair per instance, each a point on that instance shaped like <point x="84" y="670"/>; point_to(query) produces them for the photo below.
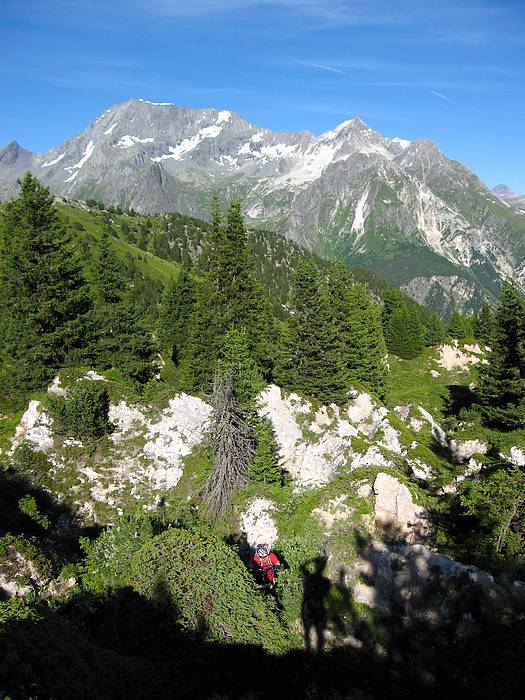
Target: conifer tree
<point x="501" y="390"/>
<point x="230" y="295"/>
<point x="497" y="502"/>
<point x="232" y="447"/>
<point x="485" y="325"/>
<point x="316" y="364"/>
<point x="44" y="297"/>
<point x="434" y="330"/>
<point x="175" y="313"/>
<point x="459" y="326"/>
<point x="264" y="468"/>
<point x="404" y="332"/>
<point x="358" y="322"/>
<point x="240" y="295"/>
<point x="236" y="362"/>
<point x="124" y="339"/>
<point x="201" y="354"/>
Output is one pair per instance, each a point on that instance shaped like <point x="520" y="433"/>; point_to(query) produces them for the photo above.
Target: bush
<point x="16" y="608"/>
<point x="84" y="413"/>
<point x="107" y="560"/>
<point x="34" y="465"/>
<point x="28" y="506"/>
<point x="208" y="587"/>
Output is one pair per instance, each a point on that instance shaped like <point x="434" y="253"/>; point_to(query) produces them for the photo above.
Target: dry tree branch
<point x="232" y="445"/>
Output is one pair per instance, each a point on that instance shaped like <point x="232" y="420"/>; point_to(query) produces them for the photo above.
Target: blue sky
<point x="452" y="71"/>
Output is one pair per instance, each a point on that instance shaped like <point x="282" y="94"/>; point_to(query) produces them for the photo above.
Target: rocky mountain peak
<point x="349" y="192"/>
<point x="503" y="191"/>
<point x="11" y="152"/>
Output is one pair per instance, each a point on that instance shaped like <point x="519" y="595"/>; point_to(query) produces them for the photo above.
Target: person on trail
<point x="267" y="563"/>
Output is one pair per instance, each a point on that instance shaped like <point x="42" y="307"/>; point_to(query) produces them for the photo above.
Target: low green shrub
<point x="106" y="565"/>
<point x="27" y="505"/>
<point x="208" y="588"/>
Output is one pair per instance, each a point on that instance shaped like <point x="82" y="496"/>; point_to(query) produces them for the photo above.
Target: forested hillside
<point x="174" y="393"/>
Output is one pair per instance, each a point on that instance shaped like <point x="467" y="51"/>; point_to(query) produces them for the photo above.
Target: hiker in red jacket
<point x="267" y="563"/>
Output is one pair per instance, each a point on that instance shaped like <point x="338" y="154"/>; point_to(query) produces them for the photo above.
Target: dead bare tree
<point x="232" y="445"/>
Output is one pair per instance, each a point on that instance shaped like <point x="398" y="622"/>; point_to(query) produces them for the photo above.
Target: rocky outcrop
<point x="257" y="523"/>
<point x="144" y="456"/>
<point x="454" y="357"/>
<point x="432" y="587"/>
<point x="313" y="444"/>
<point x="396" y="514"/>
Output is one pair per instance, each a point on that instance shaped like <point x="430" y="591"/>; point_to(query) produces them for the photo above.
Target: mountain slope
<point x="403" y="209"/>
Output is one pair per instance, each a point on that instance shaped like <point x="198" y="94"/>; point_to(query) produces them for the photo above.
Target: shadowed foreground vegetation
<point x="126" y="645"/>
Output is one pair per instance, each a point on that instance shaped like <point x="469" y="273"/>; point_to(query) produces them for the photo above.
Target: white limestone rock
<point x="258" y="522"/>
<point x="56" y="387"/>
<point x="373" y="457"/>
<point x="395" y="509"/>
<point x="93" y="376"/>
<point x="453" y="357"/>
<point x="420" y="469"/>
<point x="309" y="463"/>
<point x="34" y="427"/>
<point x="463" y="451"/>
<point x="517" y="456"/>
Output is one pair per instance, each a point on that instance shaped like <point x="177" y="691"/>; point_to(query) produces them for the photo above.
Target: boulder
<point x="396" y="514"/>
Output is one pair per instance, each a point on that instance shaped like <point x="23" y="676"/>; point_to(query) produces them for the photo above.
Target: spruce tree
<point x="316" y="364"/>
<point x="44" y="297"/>
<point x="201" y="354"/>
<point x="501" y="390"/>
<point x="358" y="323"/>
<point x="237" y="363"/>
<point x="175" y="313"/>
<point x="485" y="325"/>
<point x="434" y="330"/>
<point x="264" y="468"/>
<point x="459" y="326"/>
<point x="404" y="332"/>
<point x="497" y="501"/>
<point x="229" y="296"/>
<point x="124" y="339"/>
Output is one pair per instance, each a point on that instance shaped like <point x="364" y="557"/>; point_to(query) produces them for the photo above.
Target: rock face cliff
<point x="400" y="208"/>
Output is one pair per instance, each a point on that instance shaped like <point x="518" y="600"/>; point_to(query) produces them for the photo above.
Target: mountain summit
<point x="401" y="208"/>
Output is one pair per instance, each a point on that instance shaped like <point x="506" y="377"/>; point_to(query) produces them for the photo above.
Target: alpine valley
<point x="402" y="209"/>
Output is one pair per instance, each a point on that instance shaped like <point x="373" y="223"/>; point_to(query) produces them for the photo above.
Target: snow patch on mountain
<point x="223" y="116"/>
<point x="156" y="104"/>
<point x="184" y="147"/>
<point x="310" y="167"/>
<point x="358" y="224"/>
<point x="53" y="162"/>
<point x="111" y="129"/>
<point x="128" y="141"/>
<point x="86" y="156"/>
<point x="401" y="142"/>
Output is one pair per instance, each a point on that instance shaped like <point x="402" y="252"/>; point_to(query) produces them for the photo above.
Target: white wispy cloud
<point x="442" y="96"/>
<point x="320" y="66"/>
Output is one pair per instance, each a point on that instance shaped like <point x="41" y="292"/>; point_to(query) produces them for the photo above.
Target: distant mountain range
<point x="399" y="208"/>
<point x="516" y="201"/>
